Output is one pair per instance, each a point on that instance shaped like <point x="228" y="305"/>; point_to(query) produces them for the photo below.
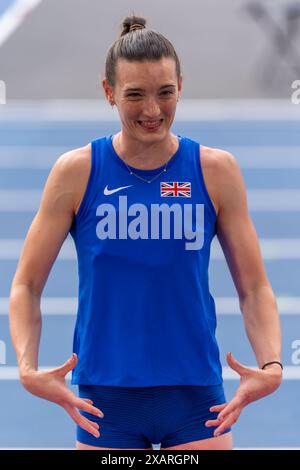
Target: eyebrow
<point x="141" y="89"/>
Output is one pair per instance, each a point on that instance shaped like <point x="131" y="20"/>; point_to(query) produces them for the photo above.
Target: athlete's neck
<point x="145" y="156"/>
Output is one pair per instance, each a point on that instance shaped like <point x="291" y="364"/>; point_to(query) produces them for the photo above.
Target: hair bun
<point x="131" y="23"/>
<point x="136" y="26"/>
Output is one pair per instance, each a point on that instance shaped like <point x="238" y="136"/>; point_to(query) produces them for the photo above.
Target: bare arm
<point x="61" y="198"/>
<point x="44" y="239"/>
<point x="240" y="245"/>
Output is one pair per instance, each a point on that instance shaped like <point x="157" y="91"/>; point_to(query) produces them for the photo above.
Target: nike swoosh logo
<point x="107" y="191"/>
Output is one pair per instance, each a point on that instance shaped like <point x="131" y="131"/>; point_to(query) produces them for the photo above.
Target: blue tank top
<point x="145" y="313"/>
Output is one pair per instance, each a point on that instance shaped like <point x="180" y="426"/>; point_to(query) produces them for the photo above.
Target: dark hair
<point x="138" y="43"/>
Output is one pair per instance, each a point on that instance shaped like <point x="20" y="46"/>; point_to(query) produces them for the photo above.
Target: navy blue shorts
<point x="136" y="417"/>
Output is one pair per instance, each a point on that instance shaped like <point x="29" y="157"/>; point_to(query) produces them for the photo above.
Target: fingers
<point x="229" y="421"/>
<point x="212" y="422"/>
<point x="83" y="422"/>
<point x="228" y="415"/>
<point x="231" y="407"/>
<point x="88" y="400"/>
<point x="218" y="408"/>
<point x="88" y="408"/>
<point x="67" y="366"/>
<point x="236" y="365"/>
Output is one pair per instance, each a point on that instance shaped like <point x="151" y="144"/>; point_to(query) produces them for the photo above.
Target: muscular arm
<point x="240" y="245"/>
<point x="44" y="239"/>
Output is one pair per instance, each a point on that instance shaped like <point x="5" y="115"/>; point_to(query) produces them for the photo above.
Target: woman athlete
<point x="143" y="207"/>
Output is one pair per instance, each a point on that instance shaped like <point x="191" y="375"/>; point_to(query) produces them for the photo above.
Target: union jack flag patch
<point x="175" y="189"/>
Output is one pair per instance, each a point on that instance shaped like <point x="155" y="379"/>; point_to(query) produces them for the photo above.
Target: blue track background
<point x="27" y="421"/>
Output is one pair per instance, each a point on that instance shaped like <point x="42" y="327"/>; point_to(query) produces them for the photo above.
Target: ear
<point x="179" y="85"/>
<point x="107" y="90"/>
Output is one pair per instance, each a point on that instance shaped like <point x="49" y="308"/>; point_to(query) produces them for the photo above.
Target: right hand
<point x="51" y="385"/>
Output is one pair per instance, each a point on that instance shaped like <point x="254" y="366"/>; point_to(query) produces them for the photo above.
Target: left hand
<point x="254" y="384"/>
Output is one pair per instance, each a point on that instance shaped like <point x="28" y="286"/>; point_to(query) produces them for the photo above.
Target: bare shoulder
<point x="218" y="167"/>
<point x="74" y="169"/>
<point x="75" y="160"/>
<point x="217" y="159"/>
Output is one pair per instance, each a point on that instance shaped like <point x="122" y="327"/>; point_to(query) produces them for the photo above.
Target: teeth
<point x="150" y="124"/>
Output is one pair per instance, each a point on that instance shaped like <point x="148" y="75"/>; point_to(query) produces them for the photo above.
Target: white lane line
<point x="289" y="373"/>
<point x="29" y="157"/>
<point x="271" y="248"/>
<point x="10" y="249"/>
<point x="249" y="157"/>
<point x="14" y="16"/>
<point x="19" y="200"/>
<point x="187" y="110"/>
<point x="271" y="200"/>
<point x="49" y="305"/>
<point x="230" y="305"/>
<point x="224" y="305"/>
<point x="268" y="157"/>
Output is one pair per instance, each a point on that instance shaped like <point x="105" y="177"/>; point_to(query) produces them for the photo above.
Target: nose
<point x="152" y="109"/>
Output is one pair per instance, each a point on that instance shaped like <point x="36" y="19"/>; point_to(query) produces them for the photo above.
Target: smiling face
<point x="145" y="93"/>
